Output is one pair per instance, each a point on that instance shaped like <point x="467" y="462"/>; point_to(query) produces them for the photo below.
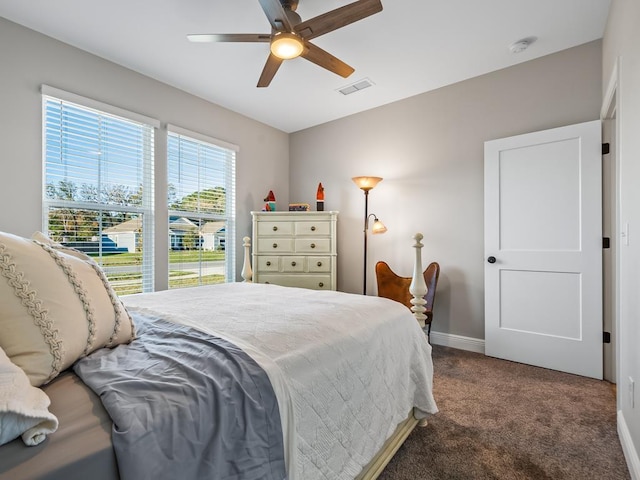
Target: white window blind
<point x="201" y="202"/>
<point x="98" y="187"/>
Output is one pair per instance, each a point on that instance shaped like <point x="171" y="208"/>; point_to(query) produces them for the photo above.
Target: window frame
<point x="150" y="127"/>
<point x="229" y="216"/>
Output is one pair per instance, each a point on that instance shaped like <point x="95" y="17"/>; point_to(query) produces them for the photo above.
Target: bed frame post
<point x="247" y="274"/>
<point x="418" y="287"/>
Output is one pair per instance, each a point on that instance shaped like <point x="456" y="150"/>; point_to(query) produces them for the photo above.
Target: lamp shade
<point x="286" y="45"/>
<point x="366" y="183"/>
<point x="378" y="227"/>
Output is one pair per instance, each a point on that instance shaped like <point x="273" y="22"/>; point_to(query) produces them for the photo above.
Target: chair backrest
<point x="395" y="287"/>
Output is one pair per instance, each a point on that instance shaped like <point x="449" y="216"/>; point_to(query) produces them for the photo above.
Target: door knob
<point x="491" y="259"/>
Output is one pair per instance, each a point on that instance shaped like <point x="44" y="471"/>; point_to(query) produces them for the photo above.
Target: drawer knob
<point x="313" y="228"/>
<point x="275" y="229"/>
<point x="321" y="284"/>
<point x="268" y="264"/>
<point x="319" y="264"/>
<point x="275" y="245"/>
<point x="293" y="264"/>
<point x="313" y="245"/>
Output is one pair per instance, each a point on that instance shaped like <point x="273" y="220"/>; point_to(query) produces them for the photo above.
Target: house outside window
<point x="98" y="185"/>
<point x="201" y="204"/>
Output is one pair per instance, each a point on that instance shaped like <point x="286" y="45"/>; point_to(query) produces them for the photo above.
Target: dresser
<point x="295" y="249"/>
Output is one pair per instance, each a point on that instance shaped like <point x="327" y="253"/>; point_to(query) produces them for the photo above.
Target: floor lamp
<point x="366" y="184"/>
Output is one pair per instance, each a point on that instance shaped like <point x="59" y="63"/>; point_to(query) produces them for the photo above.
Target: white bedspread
<point x="23" y="408"/>
<point x="346" y="368"/>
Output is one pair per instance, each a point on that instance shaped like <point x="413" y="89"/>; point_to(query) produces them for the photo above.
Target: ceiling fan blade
<point x="228" y="37"/>
<point x="269" y="70"/>
<point x="326" y="60"/>
<point x="276" y="15"/>
<point x="330" y="21"/>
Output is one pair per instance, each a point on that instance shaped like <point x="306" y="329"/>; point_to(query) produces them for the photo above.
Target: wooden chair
<point x="396" y="288"/>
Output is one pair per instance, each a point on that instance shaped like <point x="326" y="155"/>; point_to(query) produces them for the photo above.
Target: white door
<point x="543" y="249"/>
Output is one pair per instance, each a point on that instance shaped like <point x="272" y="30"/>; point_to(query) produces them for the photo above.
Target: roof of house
<point x="132" y="225"/>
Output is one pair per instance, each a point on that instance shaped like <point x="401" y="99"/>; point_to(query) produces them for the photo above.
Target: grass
<point x="130" y="283"/>
<point x="130" y="277"/>
<point x="195" y="282"/>
<point x="127" y="283"/>
<point x="182" y="256"/>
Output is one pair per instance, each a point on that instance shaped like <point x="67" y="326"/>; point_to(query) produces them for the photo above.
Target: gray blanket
<point x="187" y="405"/>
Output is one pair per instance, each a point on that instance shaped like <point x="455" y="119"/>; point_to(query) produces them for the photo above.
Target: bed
<point x="350" y="377"/>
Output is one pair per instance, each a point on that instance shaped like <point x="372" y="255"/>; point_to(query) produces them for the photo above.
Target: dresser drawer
<point x="275" y="245"/>
<point x="313" y="245"/>
<point x="313" y="228"/>
<point x="292" y="264"/>
<point x="268" y="264"/>
<point x="271" y="229"/>
<point x="318" y="264"/>
<point x="315" y="282"/>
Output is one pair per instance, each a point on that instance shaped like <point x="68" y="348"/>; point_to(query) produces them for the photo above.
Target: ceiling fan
<point x="289" y="37"/>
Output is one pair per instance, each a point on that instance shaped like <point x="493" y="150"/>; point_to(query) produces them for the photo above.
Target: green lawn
<point x="174" y="257"/>
<point x="126" y="283"/>
<point x="194" y="282"/>
<point x="130" y="283"/>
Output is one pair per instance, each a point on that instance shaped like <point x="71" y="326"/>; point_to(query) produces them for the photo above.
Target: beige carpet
<point x="504" y="420"/>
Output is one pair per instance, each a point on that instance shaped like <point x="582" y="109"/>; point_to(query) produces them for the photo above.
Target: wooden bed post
<point x="247" y="274"/>
<point x="418" y="287"/>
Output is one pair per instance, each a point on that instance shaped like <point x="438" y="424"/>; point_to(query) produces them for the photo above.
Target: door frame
<point x="609" y="112"/>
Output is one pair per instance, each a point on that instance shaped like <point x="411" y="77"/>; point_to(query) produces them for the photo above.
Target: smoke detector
<point x="521" y="45"/>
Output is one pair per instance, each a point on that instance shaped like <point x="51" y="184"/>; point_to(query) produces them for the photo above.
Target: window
<point x="201" y="201"/>
<point x="98" y="185"/>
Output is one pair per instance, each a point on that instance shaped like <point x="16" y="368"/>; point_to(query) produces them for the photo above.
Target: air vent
<point x="355" y="87"/>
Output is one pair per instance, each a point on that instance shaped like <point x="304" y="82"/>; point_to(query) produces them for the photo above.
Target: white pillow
<point x="56" y="306"/>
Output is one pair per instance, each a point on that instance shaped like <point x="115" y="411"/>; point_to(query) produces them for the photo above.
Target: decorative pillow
<point x="56" y="306"/>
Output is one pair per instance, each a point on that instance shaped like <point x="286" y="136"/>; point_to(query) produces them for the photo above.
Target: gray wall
<point x="429" y="150"/>
<point x="29" y="59"/>
<point x="621" y="49"/>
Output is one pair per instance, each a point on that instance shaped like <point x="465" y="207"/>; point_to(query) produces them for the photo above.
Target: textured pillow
<point x="56" y="306"/>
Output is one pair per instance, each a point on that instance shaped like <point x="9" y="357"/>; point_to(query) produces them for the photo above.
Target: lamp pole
<point x="366" y="221"/>
<point x="366" y="184"/>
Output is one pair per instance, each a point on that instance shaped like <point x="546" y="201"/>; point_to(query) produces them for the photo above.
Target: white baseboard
<point x="630" y="453"/>
<point x="457" y="341"/>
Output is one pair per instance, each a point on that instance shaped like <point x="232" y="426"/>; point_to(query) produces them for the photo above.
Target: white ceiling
<point x="411" y="47"/>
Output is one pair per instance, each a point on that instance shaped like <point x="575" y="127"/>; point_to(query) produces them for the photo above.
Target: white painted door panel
<point x="543" y="211"/>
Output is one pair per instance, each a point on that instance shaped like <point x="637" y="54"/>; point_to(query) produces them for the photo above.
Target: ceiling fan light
<point x="286" y="45"/>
